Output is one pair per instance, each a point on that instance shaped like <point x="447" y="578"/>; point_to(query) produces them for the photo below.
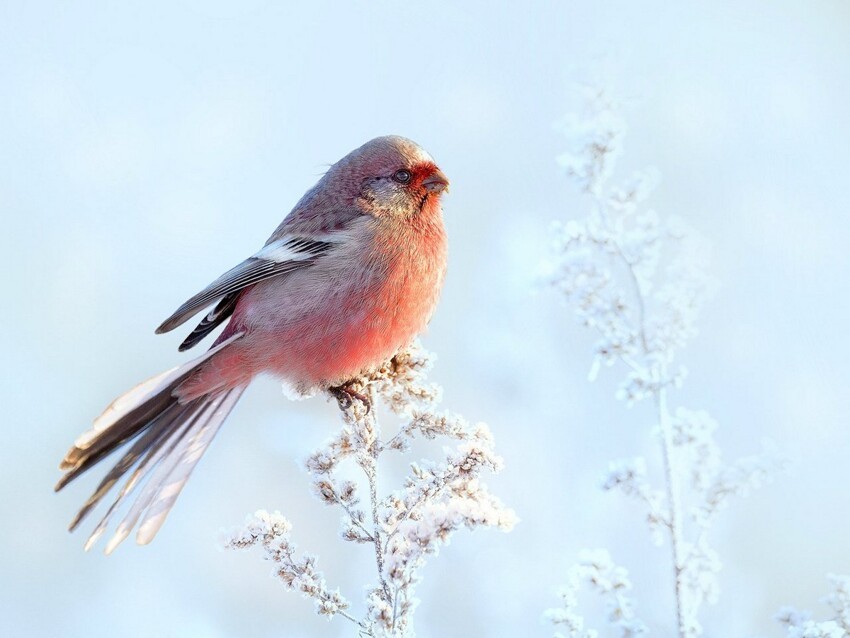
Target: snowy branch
<point x="596" y="571"/>
<point x="799" y="624"/>
<point x="405" y="526"/>
<point x="638" y="281"/>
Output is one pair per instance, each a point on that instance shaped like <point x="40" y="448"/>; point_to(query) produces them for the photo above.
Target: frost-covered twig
<point x="639" y="281"/>
<point x="799" y="624"/>
<point x="598" y="572"/>
<point x="404" y="526"/>
<point x="272" y="532"/>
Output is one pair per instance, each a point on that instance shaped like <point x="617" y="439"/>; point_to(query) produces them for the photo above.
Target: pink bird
<point x="350" y="277"/>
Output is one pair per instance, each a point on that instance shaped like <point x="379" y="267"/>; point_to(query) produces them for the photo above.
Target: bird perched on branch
<point x="350" y="276"/>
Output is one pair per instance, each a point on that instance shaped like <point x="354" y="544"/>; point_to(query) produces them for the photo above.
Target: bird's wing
<point x="218" y="315"/>
<point x="283" y="255"/>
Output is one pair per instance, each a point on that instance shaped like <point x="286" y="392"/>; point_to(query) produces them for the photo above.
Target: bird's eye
<point x="402" y="176"/>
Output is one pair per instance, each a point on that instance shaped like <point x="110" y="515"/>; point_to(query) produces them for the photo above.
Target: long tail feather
<point x="127" y="415"/>
<point x="167" y="492"/>
<point x="158" y="474"/>
<point x="149" y="464"/>
<point x="166" y="437"/>
<point x="146" y="444"/>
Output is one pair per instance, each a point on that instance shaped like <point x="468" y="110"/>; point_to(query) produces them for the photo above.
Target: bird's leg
<point x="346" y="393"/>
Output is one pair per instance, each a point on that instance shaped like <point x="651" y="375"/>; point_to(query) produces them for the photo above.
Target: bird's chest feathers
<point x="407" y="274"/>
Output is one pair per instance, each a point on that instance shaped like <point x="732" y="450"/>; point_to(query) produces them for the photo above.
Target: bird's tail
<point x="165" y="436"/>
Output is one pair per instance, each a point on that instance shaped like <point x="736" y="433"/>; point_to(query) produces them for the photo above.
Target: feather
<point x="277" y="258"/>
<point x="128" y="415"/>
<point x="173" y="468"/>
<point x="145" y="445"/>
<point x="159" y="474"/>
<point x="215" y="318"/>
<point x="207" y="427"/>
<point x="151" y="461"/>
<point x="161" y="428"/>
<point x="172" y="447"/>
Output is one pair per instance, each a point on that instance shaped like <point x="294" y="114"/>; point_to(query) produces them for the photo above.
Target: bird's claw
<point x="346" y="395"/>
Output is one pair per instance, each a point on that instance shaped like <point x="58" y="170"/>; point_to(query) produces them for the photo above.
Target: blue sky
<point x="146" y="149"/>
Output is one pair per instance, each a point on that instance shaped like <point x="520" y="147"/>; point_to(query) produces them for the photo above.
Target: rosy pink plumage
<point x="349" y="277"/>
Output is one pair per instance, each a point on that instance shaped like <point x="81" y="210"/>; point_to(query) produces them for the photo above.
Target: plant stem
<point x="675" y="526"/>
<point x="363" y="631"/>
<point x="659" y="374"/>
<point x="376" y="533"/>
<point x="370" y="467"/>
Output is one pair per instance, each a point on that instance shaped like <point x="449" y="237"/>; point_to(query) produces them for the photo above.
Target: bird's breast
<point x="351" y="311"/>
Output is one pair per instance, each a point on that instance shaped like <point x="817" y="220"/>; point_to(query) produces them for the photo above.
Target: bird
<point x="350" y="277"/>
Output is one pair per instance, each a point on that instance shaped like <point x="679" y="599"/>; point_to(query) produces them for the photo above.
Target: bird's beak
<point x="436" y="182"/>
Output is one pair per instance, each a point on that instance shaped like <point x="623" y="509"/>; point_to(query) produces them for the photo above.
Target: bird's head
<point x="391" y="176"/>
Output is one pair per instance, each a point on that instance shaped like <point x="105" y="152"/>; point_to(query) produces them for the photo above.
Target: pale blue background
<point x="145" y="149"/>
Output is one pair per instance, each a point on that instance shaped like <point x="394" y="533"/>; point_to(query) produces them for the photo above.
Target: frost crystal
<point x="799" y="624"/>
<point x="271" y="531"/>
<point x="596" y="571"/>
<point x="638" y="281"/>
<point x="403" y="528"/>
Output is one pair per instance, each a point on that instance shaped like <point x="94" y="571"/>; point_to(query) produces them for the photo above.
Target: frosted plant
<point x="597" y="571"/>
<point x="638" y="281"/>
<point x="800" y="624"/>
<point x="404" y="527"/>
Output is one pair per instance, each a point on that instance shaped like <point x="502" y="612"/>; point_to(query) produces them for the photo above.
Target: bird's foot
<point x="346" y="394"/>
